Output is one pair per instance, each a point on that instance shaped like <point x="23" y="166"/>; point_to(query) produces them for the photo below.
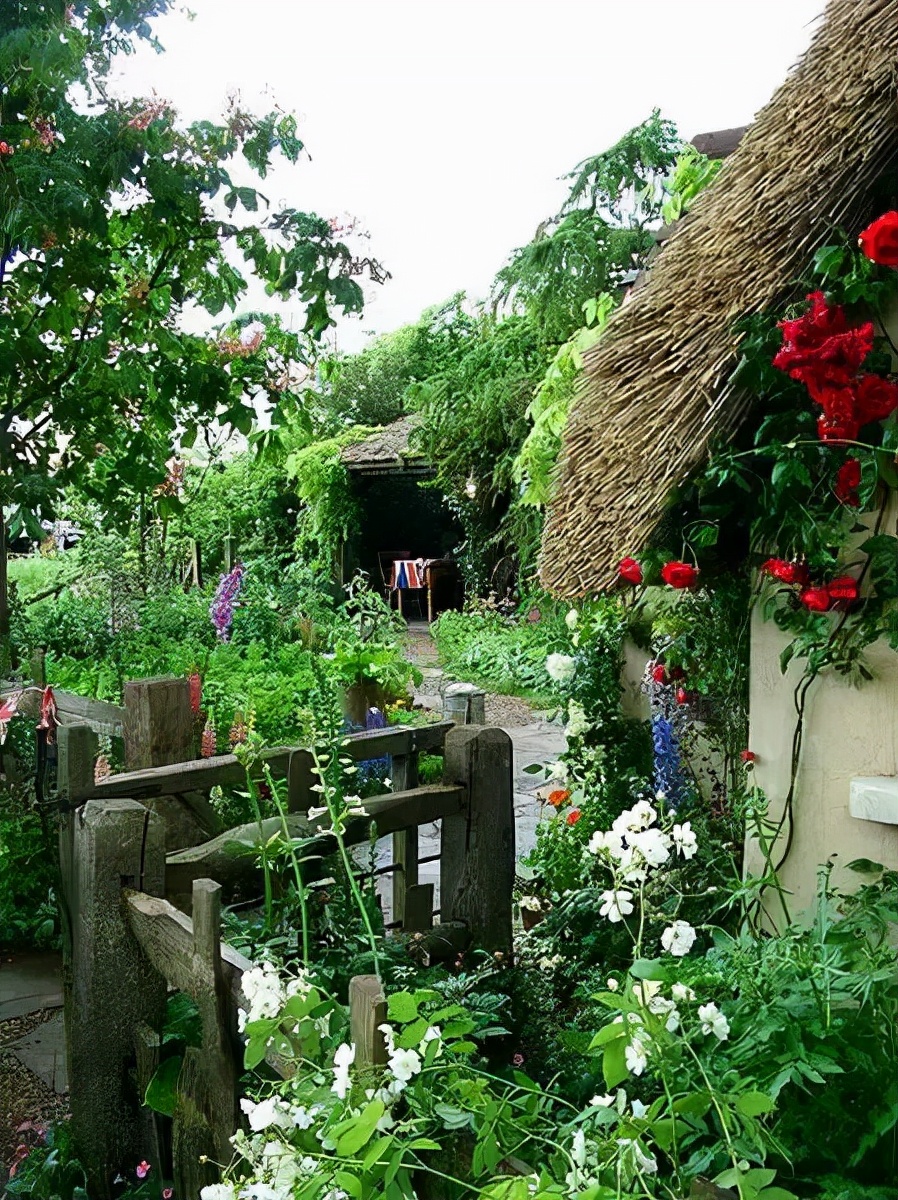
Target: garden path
<point x="535" y="739"/>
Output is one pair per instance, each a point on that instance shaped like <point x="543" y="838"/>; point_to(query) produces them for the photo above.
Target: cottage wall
<point x="849" y="732"/>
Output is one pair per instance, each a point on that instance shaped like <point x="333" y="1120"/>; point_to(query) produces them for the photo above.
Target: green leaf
<point x="608" y="1033"/>
<point x="162" y="1090"/>
<point x="753" y="1104"/>
<point x="865" y="866"/>
<point x="412" y="1034"/>
<point x="402" y="1007"/>
<point x="360" y="1129"/>
<point x="614" y="1064"/>
<point x="649" y="968"/>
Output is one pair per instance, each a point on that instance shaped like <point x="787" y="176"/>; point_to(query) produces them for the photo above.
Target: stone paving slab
<point x="30" y="981"/>
<point x="43" y="1052"/>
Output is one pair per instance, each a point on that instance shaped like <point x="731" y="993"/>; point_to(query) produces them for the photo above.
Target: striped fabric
<point x="408" y="573"/>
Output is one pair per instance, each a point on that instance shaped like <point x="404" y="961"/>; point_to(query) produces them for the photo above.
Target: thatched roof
<point x="386" y="448"/>
<point x="656" y="388"/>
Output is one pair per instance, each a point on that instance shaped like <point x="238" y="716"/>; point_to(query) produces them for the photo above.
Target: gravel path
<point x="26" y="1103"/>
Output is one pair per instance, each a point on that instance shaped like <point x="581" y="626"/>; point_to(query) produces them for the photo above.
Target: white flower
<point x="388" y="782"/>
<point x="645" y="991"/>
<point x="684" y="839"/>
<point x="344" y="1056"/>
<point x="389" y="1036"/>
<point x="639" y="1109"/>
<point x="314" y="813"/>
<point x="404" y="1064"/>
<point x="557" y="770"/>
<point x="578" y="1148"/>
<point x="678" y="938"/>
<point x="217" y="1191"/>
<point x="304" y="1118"/>
<point x="635" y="1056"/>
<point x="644" y="1162"/>
<point x="577" y="721"/>
<point x="602" y="1101"/>
<point x="713" y="1021"/>
<point x="662" y="1007"/>
<point x="264" y="992"/>
<point x="640" y="816"/>
<point x="531" y="903"/>
<point x="572" y="619"/>
<point x="561" y="667"/>
<point x="631" y="865"/>
<point x="682" y="993"/>
<point x="265" y="1114"/>
<point x="617" y="905"/>
<point x="431" y="1034"/>
<point x="255" y="1190"/>
<point x="612" y="985"/>
<point x="601" y="842"/>
<point x="652" y="844"/>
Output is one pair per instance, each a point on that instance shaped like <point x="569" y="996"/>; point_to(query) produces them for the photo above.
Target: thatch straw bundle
<point x="656" y="388"/>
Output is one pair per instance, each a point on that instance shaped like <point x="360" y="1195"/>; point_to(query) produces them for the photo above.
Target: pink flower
<point x="517" y="1060"/>
<point x="142" y="1169"/>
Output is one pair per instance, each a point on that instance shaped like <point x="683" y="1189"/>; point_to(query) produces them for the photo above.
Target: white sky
<point x="443" y="125"/>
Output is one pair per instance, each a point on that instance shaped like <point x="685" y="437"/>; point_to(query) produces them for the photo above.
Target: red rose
<point x="874" y="398"/>
<point x="817" y="598"/>
<point x="573" y="816"/>
<point x="748" y="756"/>
<point x="837" y="433"/>
<point x="845" y="587"/>
<point x="679" y="575"/>
<point x="682" y="696"/>
<point x="659" y="673"/>
<point x="630" y="570"/>
<point x="785" y="572"/>
<point x="848" y="480"/>
<point x="879" y="241"/>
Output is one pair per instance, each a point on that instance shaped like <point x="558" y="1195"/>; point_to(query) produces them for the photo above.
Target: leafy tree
<point x="114" y="220"/>
<point x="601" y="232"/>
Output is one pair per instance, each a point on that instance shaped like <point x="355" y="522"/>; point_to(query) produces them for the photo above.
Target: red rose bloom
<point x="785" y="572"/>
<point x="874" y="398"/>
<point x="879" y="241"/>
<point x="679" y="575"/>
<point x="630" y="570"/>
<point x="844" y="588"/>
<point x="682" y="696"/>
<point x="848" y="480"/>
<point x="573" y="816"/>
<point x="659" y="673"/>
<point x="748" y="756"/>
<point x="817" y="598"/>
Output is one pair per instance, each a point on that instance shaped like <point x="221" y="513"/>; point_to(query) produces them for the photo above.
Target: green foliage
<point x="692" y="172"/>
<point x="329" y="506"/>
<point x="110" y="223"/>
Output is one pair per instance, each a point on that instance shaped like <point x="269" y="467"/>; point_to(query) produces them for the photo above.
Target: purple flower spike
<point x="225" y="601"/>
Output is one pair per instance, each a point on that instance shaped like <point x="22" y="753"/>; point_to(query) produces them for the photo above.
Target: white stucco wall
<point x="848" y="732"/>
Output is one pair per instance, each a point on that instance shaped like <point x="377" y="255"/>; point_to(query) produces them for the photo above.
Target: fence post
<point x="477" y="850"/>
<point x="77" y="747"/>
<point x="114" y="989"/>
<point x="300" y="777"/>
<point x="158" y="725"/>
<point x="196" y="563"/>
<point x="206" y="1108"/>
<point x="405" y="842"/>
<point x="367" y="1010"/>
<point x="464" y="703"/>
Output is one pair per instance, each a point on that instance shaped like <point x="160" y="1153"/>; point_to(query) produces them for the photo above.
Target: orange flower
<point x="559" y="797"/>
<point x="573" y="816"/>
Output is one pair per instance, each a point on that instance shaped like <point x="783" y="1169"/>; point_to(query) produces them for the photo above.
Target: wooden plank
<point x="477" y="875"/>
<point x="216" y="858"/>
<point x="367" y="1010"/>
<point x="419" y="908"/>
<point x="405" y="842"/>
<point x="158" y="726"/>
<point x="77" y="752"/>
<point x="104" y="718"/>
<point x="199" y="775"/>
<point x="300" y="778"/>
<point x="114" y="987"/>
<point x="166" y="937"/>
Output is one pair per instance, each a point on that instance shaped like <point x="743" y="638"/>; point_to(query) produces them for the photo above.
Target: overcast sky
<point x="443" y="125"/>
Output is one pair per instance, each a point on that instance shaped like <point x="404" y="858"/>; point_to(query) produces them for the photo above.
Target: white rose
<point x="561" y="667"/>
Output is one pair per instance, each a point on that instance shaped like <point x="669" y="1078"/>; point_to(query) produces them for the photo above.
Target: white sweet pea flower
<point x="389" y="1036"/>
<point x="684" y="839"/>
<point x="218" y="1191"/>
<point x="578" y="1148"/>
<point x="617" y="905"/>
<point x="639" y="1109"/>
<point x="602" y="1101"/>
<point x="682" y="993"/>
<point x="557" y="770"/>
<point x="612" y="984"/>
<point x="266" y="1113"/>
<point x="666" y="1008"/>
<point x="314" y="813"/>
<point x="561" y="668"/>
<point x="344" y="1056"/>
<point x="602" y="843"/>
<point x="635" y="1056"/>
<point x="678" y="938"/>
<point x="713" y="1021"/>
<point x="264" y="992"/>
<point x="646" y="1163"/>
<point x="652" y="844"/>
<point x="404" y="1064"/>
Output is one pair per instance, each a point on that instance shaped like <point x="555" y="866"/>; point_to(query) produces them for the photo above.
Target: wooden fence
<point x="143" y="883"/>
